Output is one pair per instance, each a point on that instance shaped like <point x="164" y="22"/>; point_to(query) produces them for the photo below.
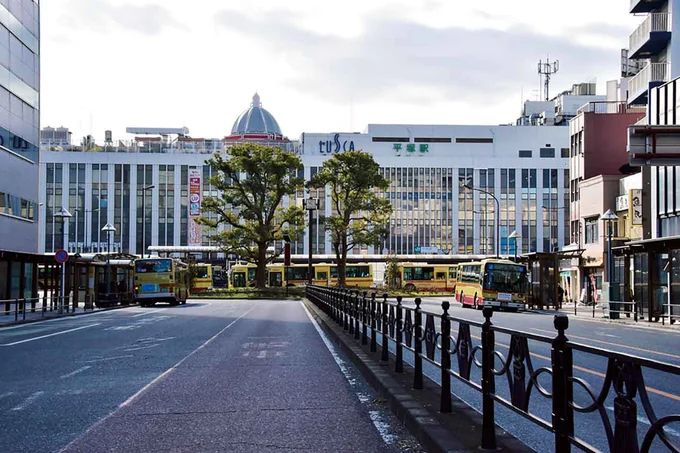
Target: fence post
<point x="374" y="345"/>
<point x="339" y="302"/>
<point x="385" y="353"/>
<point x="16" y="309"/>
<point x="357" y="315"/>
<point x="563" y="388"/>
<point x="488" y="382"/>
<point x="364" y="319"/>
<point x="418" y="333"/>
<point x="398" y="332"/>
<point x="445" y="399"/>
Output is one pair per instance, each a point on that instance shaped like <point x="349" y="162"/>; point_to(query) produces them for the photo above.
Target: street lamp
<point x="63" y="215"/>
<point x="610" y="217"/>
<point x="514" y="236"/>
<point x="311" y="205"/>
<point x="144" y="189"/>
<point x="497" y="216"/>
<point x="108" y="229"/>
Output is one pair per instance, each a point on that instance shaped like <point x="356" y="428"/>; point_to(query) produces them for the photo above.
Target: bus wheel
<point x="410" y="288"/>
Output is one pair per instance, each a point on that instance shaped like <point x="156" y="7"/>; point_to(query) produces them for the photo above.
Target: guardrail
<point x="20" y="308"/>
<point x="428" y="337"/>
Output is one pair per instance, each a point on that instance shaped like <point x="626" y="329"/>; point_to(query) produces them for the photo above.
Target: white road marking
<point x="644" y="421"/>
<point x="158" y="378"/>
<point x="262" y="354"/>
<point x="601" y="334"/>
<point x="5" y="395"/>
<point x="141" y="347"/>
<point x="108" y="358"/>
<point x="73" y="373"/>
<point x="174" y="367"/>
<point x="149" y="312"/>
<point x="28" y="401"/>
<point x="380" y="425"/>
<point x="51" y="335"/>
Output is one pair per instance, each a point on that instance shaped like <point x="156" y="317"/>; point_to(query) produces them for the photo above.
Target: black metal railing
<point x="397" y="328"/>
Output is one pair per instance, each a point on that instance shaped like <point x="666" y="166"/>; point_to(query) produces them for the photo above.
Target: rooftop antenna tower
<point x="546" y="70"/>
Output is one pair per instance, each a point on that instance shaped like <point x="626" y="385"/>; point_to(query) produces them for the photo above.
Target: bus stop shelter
<point x="544" y="276"/>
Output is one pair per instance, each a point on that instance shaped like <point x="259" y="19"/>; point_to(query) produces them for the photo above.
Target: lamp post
<point x="610" y="217"/>
<point x="108" y="229"/>
<point x="144" y="189"/>
<point x="497" y="222"/>
<point x="311" y="205"/>
<point x="514" y="236"/>
<point x="63" y="215"/>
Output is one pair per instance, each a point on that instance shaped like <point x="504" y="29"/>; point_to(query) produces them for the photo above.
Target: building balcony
<point x="651" y="37"/>
<point x="645" y="6"/>
<point x="610" y="107"/>
<point x="651" y="76"/>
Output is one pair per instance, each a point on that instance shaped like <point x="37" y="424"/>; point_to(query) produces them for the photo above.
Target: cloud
<point x="398" y="59"/>
<point x="147" y="19"/>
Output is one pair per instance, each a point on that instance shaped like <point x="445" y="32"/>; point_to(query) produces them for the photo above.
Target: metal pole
<point x="85" y="246"/>
<point x="310" y="268"/>
<point x="75" y="239"/>
<point x="63" y="269"/>
<point x="498" y="227"/>
<point x="108" y="265"/>
<point x="143" y="222"/>
<point x="609" y="269"/>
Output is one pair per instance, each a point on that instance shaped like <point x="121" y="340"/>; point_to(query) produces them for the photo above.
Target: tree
<point x="252" y="181"/>
<point x="393" y="272"/>
<point x="358" y="214"/>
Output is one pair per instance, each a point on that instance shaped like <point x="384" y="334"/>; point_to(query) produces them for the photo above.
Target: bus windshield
<point x="510" y="278"/>
<point x="201" y="271"/>
<point x="153" y="266"/>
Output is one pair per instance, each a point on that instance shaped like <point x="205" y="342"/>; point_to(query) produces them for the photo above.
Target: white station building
<point x="524" y="166"/>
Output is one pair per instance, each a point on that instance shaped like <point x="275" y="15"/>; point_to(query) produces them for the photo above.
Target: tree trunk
<point x="261" y="272"/>
<point x="342" y="262"/>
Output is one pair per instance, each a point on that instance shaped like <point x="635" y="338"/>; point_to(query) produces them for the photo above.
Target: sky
<point x="319" y="66"/>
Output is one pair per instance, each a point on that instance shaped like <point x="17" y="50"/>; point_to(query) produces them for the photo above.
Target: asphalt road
<point x="208" y="376"/>
<point x="652" y="343"/>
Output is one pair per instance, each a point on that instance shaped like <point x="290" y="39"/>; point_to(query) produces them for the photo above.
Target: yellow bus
<point x="492" y="282"/>
<point x="242" y="275"/>
<point x="161" y="280"/>
<point x="201" y="278"/>
<point x="424" y="276"/>
<point x="357" y="275"/>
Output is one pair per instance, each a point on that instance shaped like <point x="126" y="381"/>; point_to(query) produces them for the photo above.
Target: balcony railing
<point x="610" y="107"/>
<point x="653" y="72"/>
<point x="655" y="22"/>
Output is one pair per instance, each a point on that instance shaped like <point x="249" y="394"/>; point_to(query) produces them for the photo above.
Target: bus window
<point x="153" y="266"/>
<point x="505" y="278"/>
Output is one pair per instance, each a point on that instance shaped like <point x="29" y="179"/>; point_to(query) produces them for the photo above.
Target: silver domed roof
<point x="256" y="120"/>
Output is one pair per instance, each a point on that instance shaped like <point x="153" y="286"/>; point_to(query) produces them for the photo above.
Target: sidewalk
<point x="18" y="317"/>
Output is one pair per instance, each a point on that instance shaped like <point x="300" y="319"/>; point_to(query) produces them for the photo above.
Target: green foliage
<point x="392" y="273"/>
<point x="358" y="214"/>
<point x="252" y="180"/>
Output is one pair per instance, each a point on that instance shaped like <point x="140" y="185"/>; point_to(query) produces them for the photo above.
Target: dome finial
<point x="256" y="100"/>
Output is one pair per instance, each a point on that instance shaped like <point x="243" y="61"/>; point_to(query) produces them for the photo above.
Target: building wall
<point x="19" y="124"/>
<point x="598" y="195"/>
<point x="605" y="142"/>
<point x="430" y="209"/>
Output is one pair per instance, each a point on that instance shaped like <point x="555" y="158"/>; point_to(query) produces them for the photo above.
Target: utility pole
<point x="546" y="70"/>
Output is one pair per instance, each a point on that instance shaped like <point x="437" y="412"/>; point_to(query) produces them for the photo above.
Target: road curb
<point x="457" y="432"/>
<point x="65" y="315"/>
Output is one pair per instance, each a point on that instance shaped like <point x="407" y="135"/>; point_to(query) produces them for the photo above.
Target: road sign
<point x="61" y="256"/>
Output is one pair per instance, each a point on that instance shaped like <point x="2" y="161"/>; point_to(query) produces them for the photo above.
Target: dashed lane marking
<point x="106" y="359"/>
<point x="73" y="373"/>
<point x="50" y="335"/>
<point x="149" y="312"/>
<point x="27" y="402"/>
<point x="609" y="343"/>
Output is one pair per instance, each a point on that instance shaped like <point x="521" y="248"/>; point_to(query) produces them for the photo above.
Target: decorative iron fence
<point x="429" y="339"/>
